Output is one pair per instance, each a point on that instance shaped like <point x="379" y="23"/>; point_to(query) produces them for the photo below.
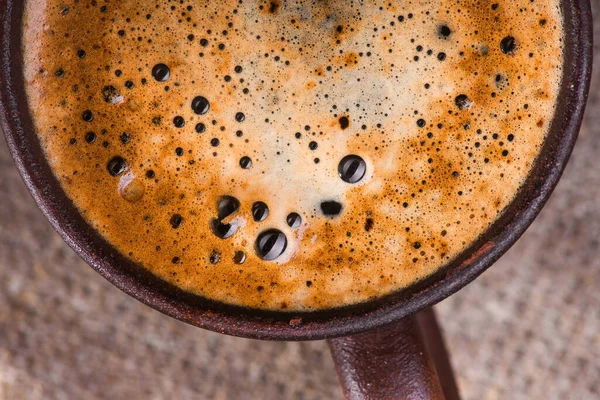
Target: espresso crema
<point x="292" y="155"/>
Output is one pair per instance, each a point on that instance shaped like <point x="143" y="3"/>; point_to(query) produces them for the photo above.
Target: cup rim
<point x="136" y="281"/>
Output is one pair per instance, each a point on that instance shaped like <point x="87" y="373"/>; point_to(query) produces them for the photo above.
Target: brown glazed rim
<point x="141" y="284"/>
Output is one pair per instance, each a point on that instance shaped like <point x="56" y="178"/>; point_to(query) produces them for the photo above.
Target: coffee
<point x="292" y="155"/>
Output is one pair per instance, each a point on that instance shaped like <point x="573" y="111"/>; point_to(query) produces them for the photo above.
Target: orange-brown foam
<point x="428" y="193"/>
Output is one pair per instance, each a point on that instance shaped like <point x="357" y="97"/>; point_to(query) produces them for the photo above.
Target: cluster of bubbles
<point x="271" y="243"/>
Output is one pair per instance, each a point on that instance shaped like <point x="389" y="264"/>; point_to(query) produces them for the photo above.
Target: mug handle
<point x="404" y="360"/>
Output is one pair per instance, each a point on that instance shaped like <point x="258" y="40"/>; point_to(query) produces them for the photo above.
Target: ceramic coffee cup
<point x="397" y="364"/>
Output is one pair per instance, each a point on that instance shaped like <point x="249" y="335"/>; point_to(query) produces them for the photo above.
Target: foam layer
<point x="150" y="112"/>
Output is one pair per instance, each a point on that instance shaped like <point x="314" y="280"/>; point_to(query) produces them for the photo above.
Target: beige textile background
<point x="529" y="328"/>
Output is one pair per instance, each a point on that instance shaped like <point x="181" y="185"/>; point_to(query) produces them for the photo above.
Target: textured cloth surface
<point x="528" y="328"/>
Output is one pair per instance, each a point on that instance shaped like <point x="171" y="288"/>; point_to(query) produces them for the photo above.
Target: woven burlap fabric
<point x="529" y="328"/>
